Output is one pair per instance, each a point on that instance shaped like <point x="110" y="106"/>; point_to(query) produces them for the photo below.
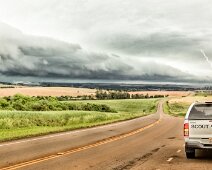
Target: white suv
<point x="198" y="128"/>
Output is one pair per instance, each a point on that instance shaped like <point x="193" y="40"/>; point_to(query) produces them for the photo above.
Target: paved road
<point x="152" y="142"/>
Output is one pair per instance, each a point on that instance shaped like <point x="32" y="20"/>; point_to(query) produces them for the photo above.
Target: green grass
<point x="176" y="109"/>
<point x="19" y="124"/>
<point x="130" y="106"/>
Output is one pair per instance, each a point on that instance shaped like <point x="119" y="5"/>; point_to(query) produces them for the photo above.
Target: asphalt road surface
<point x="153" y="142"/>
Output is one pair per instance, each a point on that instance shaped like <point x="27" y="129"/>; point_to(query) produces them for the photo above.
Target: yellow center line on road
<point x="60" y="154"/>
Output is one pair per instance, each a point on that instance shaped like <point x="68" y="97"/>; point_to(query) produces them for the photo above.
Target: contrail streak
<point x="206" y="57"/>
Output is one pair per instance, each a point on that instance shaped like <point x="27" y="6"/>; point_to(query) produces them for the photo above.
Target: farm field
<point x="169" y="93"/>
<point x="71" y="91"/>
<point x="179" y="106"/>
<point x="19" y="124"/>
<point x="190" y="99"/>
<point x="47" y="91"/>
<point x="130" y="106"/>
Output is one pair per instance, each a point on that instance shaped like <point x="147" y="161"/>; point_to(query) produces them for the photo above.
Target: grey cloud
<point x="151" y="43"/>
<point x="112" y="39"/>
<point x="41" y="57"/>
<point x="25" y="55"/>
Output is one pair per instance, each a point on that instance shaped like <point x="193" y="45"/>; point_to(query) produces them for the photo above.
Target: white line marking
<point x="179" y="151"/>
<point x="170" y="159"/>
<point x="66" y="133"/>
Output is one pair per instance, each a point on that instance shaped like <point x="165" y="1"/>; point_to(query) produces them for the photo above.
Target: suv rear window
<point x="201" y="111"/>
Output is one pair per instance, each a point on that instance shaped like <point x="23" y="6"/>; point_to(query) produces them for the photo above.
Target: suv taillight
<point x="186" y="129"/>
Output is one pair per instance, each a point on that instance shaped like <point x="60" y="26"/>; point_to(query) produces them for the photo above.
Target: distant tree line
<point x="83" y="97"/>
<point x="50" y="103"/>
<point x="6" y="87"/>
<point x="147" y="96"/>
<point x="103" y="95"/>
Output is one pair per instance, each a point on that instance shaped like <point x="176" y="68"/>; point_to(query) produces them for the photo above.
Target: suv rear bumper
<point x="197" y="145"/>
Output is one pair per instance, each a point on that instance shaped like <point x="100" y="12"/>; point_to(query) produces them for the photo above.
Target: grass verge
<point x="176" y="108"/>
<point x="19" y="124"/>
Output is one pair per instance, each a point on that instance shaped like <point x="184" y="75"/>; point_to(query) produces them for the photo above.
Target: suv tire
<point x="190" y="154"/>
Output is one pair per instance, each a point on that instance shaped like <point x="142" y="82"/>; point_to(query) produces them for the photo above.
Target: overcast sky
<point x="159" y="40"/>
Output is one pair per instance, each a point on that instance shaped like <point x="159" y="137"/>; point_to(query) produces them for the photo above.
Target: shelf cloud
<point x="113" y="40"/>
<point x="24" y="55"/>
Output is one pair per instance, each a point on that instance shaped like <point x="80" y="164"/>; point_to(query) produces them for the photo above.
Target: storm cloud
<point x="25" y="55"/>
<point x="112" y="40"/>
